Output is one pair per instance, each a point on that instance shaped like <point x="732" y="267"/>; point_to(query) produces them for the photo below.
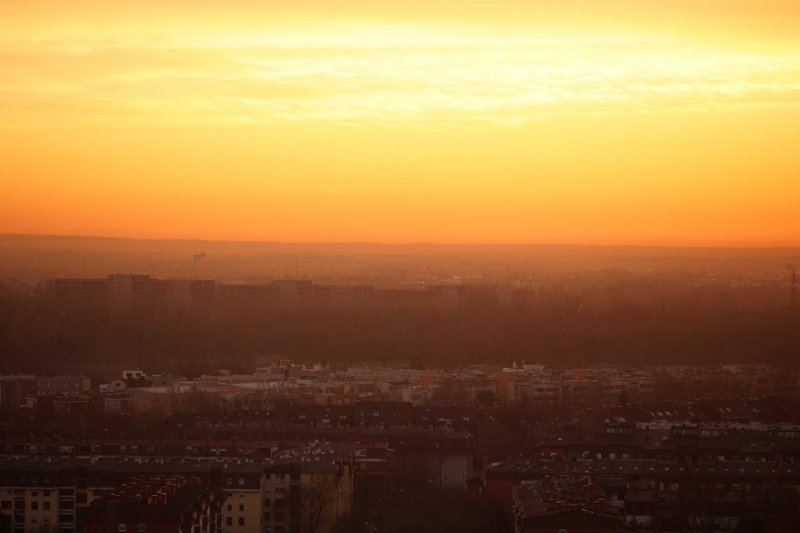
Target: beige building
<point x="242" y="511"/>
<point x="47" y="499"/>
<point x="36" y="509"/>
<point x="304" y="495"/>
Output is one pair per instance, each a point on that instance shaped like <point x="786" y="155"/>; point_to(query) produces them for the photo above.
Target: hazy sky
<point x="439" y="120"/>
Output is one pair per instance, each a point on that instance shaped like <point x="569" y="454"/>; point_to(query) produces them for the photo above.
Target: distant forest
<point x="639" y="321"/>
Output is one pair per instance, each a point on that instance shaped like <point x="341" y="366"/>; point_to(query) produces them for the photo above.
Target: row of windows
<point x="35" y="506"/>
<point x="139" y="528"/>
<point x="45" y="506"/>
<point x="241" y="481"/>
<point x="279" y="517"/>
<point x="267" y="503"/>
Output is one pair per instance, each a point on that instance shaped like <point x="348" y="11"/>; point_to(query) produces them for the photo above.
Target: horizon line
<point x="406" y="243"/>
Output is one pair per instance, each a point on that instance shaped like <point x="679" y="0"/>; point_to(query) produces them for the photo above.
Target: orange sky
<point x="439" y="120"/>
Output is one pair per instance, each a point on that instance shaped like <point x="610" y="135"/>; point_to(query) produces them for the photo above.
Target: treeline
<point x="619" y="324"/>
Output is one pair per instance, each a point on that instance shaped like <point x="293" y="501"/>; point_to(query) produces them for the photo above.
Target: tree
<point x="318" y="498"/>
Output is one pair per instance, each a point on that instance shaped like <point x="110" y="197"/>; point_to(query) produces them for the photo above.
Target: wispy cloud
<point x="400" y="75"/>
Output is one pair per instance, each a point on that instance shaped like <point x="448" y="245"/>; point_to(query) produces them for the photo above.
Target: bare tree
<point x="318" y="498"/>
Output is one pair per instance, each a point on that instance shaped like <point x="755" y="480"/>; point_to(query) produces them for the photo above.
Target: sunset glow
<point x="400" y="124"/>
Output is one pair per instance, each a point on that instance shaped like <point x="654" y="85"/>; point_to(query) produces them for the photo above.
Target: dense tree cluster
<point x="629" y="322"/>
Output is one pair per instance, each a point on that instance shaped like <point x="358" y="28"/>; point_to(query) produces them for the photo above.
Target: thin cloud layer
<point x="403" y="75"/>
